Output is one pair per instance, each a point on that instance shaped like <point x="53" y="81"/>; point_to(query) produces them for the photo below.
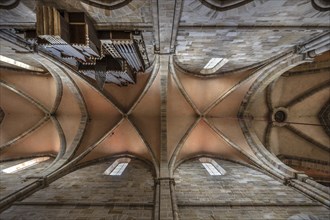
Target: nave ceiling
<point x="174" y="112"/>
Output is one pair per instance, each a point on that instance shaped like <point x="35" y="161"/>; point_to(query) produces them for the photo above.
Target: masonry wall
<point x="10" y="183"/>
<point x="242" y="193"/>
<point x="88" y="194"/>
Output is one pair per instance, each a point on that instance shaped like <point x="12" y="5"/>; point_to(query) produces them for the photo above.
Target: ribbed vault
<point x="304" y="142"/>
<point x="267" y="107"/>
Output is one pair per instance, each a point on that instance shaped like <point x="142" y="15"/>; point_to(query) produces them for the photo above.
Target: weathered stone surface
<point x="242" y="193"/>
<point x="10" y="183"/>
<point x="87" y="193"/>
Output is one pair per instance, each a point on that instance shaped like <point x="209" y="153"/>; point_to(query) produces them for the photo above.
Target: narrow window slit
<point x="212" y="167"/>
<point x="118" y="167"/>
<point x="25" y="165"/>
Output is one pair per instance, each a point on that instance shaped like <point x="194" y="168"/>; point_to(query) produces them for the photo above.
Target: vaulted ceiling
<point x="175" y="112"/>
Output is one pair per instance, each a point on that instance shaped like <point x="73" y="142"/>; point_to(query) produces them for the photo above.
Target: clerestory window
<point x="212" y="167"/>
<point x="25" y="165"/>
<point x="214" y="65"/>
<point x="118" y="167"/>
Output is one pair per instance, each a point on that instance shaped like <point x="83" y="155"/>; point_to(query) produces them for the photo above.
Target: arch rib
<point x="147" y="87"/>
<point x="256" y="160"/>
<point x="307" y="94"/>
<point x="267" y="74"/>
<point x="269" y="100"/>
<point x="307" y="138"/>
<point x="24" y="134"/>
<point x="267" y="136"/>
<point x="25" y="96"/>
<point x="181" y="88"/>
<point x="179" y="146"/>
<point x="59" y="91"/>
<point x="152" y="153"/>
<point x="50" y="63"/>
<point x="228" y="92"/>
<point x="62" y="140"/>
<point x="54" y="175"/>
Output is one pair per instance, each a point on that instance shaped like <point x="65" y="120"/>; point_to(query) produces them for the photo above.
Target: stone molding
<point x="321" y="5"/>
<point x="9" y="4"/>
<point x="224" y="5"/>
<point x="111" y="5"/>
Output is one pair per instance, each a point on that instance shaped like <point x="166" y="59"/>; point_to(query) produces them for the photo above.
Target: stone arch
<point x="297" y="126"/>
<point x="9" y="4"/>
<point x="321" y="5"/>
<point x="109" y="5"/>
<point x="224" y="5"/>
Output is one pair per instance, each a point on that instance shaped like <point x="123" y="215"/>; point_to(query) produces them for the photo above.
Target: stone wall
<point x="242" y="193"/>
<point x="10" y="183"/>
<point x="88" y="194"/>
